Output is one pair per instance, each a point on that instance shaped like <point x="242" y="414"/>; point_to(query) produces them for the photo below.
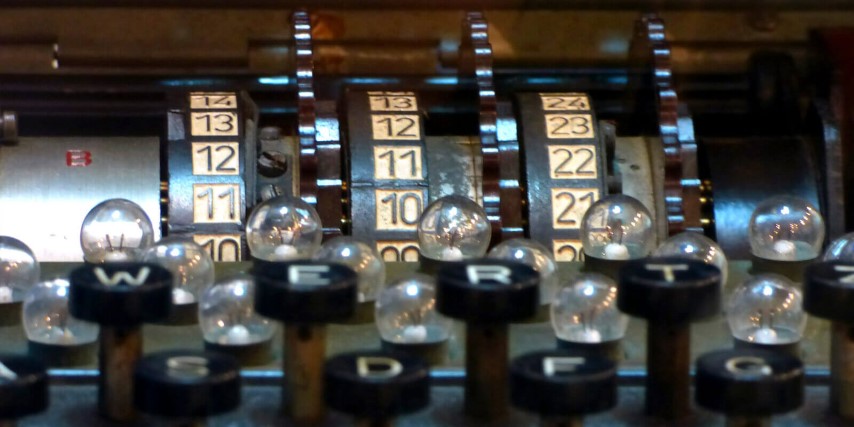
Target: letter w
<point x="122" y="276"/>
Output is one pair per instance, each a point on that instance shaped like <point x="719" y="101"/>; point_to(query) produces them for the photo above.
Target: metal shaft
<point x="304" y="354"/>
<point x="120" y="349"/>
<point x="748" y="422"/>
<point x="668" y="363"/>
<point x="842" y="370"/>
<point x="486" y="394"/>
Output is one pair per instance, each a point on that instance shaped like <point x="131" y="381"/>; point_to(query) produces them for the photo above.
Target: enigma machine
<point x="427" y="213"/>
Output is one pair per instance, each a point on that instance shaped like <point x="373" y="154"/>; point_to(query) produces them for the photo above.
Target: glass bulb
<point x="534" y="255"/>
<point x="453" y="228"/>
<point x="360" y="257"/>
<point x="617" y="227"/>
<point x="190" y="264"/>
<point x="19" y="270"/>
<point x="786" y="228"/>
<point x="406" y="312"/>
<point x="695" y="246"/>
<point x="283" y="228"/>
<point x="115" y="230"/>
<point x="766" y="309"/>
<point x="585" y="311"/>
<point x="227" y="314"/>
<point x="47" y="320"/>
<point x="841" y="249"/>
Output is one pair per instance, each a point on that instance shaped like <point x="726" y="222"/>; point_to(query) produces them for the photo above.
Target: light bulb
<point x="191" y="266"/>
<point x="841" y="249"/>
<point x="695" y="246"/>
<point x="19" y="270"/>
<point x="786" y="228"/>
<point x="534" y="255"/>
<point x="406" y="312"/>
<point x="115" y="230"/>
<point x="283" y="228"/>
<point x="766" y="309"/>
<point x="453" y="228"/>
<point x="617" y="227"/>
<point x="47" y="320"/>
<point x="227" y="314"/>
<point x="585" y="311"/>
<point x="361" y="258"/>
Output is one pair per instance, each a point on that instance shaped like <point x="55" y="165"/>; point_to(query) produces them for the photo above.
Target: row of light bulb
<point x="764" y="309"/>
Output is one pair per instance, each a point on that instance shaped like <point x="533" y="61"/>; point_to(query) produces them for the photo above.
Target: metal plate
<point x="48" y="185"/>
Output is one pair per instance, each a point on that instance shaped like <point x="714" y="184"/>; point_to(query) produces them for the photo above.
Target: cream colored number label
<point x="570" y="204"/>
<point x="398" y="209"/>
<point x="221" y="247"/>
<point x="572" y="162"/>
<point x="215" y="203"/>
<point x="212" y="100"/>
<point x="393" y="127"/>
<point x="565" y="102"/>
<point x="213" y="123"/>
<point x="398" y="163"/>
<point x="569" y="126"/>
<point x="567" y="250"/>
<point x="216" y="158"/>
<point x="398" y="250"/>
<point x="393" y="101"/>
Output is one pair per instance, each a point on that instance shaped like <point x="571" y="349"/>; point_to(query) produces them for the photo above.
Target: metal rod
<point x="668" y="364"/>
<point x="120" y="349"/>
<point x="486" y="394"/>
<point x="304" y="353"/>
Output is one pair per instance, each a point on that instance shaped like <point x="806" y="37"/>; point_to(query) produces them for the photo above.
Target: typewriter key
<point x="305" y="295"/>
<point x="186" y="385"/>
<point x="23" y="388"/>
<point x="487" y="294"/>
<point x="562" y="386"/>
<point x="120" y="297"/>
<point x="669" y="293"/>
<point x="376" y="386"/>
<point x="829" y="294"/>
<point x="749" y="385"/>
